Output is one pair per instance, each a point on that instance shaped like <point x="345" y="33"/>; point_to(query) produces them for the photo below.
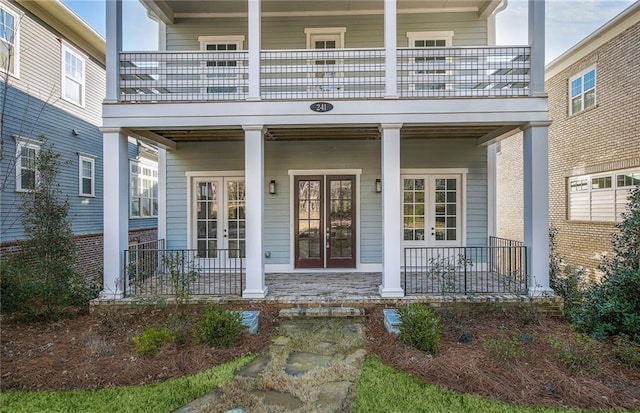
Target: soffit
<point x="182" y="8"/>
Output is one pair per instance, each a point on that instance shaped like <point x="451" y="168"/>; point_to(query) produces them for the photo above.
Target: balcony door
<point x="218" y="227"/>
<point x="324" y="72"/>
<point x="325" y="221"/>
<point x="430" y="69"/>
<point x="221" y="74"/>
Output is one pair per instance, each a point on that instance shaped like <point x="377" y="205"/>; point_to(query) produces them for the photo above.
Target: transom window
<point x="8" y="39"/>
<point x="144" y="190"/>
<point x="73" y="75"/>
<point x="26" y="157"/>
<point x="86" y="172"/>
<point x="582" y="91"/>
<point x="600" y="197"/>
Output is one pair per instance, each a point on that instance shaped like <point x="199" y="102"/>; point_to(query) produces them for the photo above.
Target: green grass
<point x="386" y="390"/>
<point x="160" y="397"/>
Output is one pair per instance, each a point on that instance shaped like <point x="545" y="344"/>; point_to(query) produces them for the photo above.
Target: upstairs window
<point x="26" y="157"/>
<point x="582" y="91"/>
<point x="8" y="40"/>
<point x="73" y="75"/>
<point x="223" y="75"/>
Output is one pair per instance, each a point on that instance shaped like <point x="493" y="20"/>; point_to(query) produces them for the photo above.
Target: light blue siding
<point x="362" y="31"/>
<point x="283" y="156"/>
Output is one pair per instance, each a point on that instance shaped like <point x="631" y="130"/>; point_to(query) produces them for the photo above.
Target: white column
<point x="254" y="211"/>
<point x="390" y="50"/>
<point x="491" y="190"/>
<point x="536" y="206"/>
<point x="391" y="213"/>
<point x="162" y="194"/>
<point x="114" y="46"/>
<point x="116" y="210"/>
<point x="536" y="41"/>
<point x="254" y="49"/>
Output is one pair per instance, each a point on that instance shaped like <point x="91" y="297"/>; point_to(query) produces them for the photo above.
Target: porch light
<point x="378" y="185"/>
<point x="272" y="187"/>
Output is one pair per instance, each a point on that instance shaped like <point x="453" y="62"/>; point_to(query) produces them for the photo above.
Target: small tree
<point x="612" y="307"/>
<point x="41" y="281"/>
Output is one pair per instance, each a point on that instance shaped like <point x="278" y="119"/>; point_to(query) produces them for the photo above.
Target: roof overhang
<point x="169" y="10"/>
<point x="69" y="25"/>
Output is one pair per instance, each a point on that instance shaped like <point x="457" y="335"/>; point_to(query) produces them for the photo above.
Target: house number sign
<point x="321" y="107"/>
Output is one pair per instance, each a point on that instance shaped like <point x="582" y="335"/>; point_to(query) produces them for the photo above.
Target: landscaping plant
<point x="149" y="342"/>
<point x="218" y="327"/>
<point x="420" y="327"/>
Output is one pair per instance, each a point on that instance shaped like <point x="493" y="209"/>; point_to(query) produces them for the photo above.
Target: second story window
<point x="8" y="40"/>
<point x="26" y="157"/>
<point x="73" y="75"/>
<point x="582" y="91"/>
<point x="223" y="74"/>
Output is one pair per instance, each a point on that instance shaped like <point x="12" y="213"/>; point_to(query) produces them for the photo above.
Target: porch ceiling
<point x="337" y="132"/>
<point x="170" y="9"/>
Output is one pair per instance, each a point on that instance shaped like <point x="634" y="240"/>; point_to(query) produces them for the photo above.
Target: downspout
<point x="491" y="23"/>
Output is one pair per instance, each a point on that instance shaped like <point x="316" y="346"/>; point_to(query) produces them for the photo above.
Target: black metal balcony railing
<point x="465" y="270"/>
<point x="324" y="74"/>
<point x="152" y="271"/>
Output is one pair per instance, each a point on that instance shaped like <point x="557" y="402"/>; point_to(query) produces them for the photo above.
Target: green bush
<point x="578" y="351"/>
<point x="626" y="351"/>
<point x="149" y="342"/>
<point x="508" y="351"/>
<point x="218" y="327"/>
<point x="420" y="327"/>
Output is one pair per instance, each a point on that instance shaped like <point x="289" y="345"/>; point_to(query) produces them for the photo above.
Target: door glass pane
<point x="414" y="219"/>
<point x="206" y="218"/>
<point x="235" y="218"/>
<point x="309" y="214"/>
<point x="445" y="209"/>
<point x="340" y="225"/>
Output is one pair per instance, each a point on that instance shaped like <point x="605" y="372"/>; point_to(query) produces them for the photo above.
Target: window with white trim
<point x="430" y="63"/>
<point x="73" y="75"/>
<point x="222" y="72"/>
<point x="8" y="40"/>
<point x="26" y="171"/>
<point x="86" y="175"/>
<point x="325" y="74"/>
<point x="600" y="197"/>
<point x="582" y="91"/>
<point x="143" y="190"/>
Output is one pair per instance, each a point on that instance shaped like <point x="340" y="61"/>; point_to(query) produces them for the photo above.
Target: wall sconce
<point x="272" y="187"/>
<point x="74" y="132"/>
<point x="378" y="185"/>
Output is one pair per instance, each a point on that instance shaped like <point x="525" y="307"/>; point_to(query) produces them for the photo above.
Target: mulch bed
<point x="95" y="351"/>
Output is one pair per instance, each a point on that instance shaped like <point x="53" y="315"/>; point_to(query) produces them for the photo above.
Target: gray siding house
<point x="342" y="136"/>
<point x="52" y="71"/>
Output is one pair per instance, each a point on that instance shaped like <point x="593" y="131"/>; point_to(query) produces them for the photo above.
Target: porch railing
<point x="465" y="270"/>
<point x="151" y="272"/>
<point x="324" y="74"/>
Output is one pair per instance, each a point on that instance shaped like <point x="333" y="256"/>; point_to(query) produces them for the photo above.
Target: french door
<point x="219" y="218"/>
<point x="432" y="210"/>
<point x="325" y="224"/>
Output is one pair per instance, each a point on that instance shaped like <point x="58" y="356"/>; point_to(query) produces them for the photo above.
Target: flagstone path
<point x="312" y="365"/>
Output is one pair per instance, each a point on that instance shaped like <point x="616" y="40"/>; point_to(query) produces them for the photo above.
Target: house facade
<point x="53" y="82"/>
<point x="594" y="143"/>
<point x="325" y="137"/>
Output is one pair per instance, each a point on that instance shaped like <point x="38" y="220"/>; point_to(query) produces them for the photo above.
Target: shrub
<point x="612" y="306"/>
<point x="507" y="350"/>
<point x="626" y="350"/>
<point x="218" y="327"/>
<point x="578" y="351"/>
<point x="149" y="342"/>
<point x="420" y="327"/>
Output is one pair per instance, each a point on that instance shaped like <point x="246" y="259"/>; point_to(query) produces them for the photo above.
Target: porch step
<point x="322" y="312"/>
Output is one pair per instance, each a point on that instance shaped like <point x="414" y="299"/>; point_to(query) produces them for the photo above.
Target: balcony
<point x="209" y="76"/>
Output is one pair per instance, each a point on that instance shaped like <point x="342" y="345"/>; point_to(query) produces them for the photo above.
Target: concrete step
<point x="322" y="312"/>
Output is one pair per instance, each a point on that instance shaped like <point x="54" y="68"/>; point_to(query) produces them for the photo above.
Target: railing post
<point x="114" y="46"/>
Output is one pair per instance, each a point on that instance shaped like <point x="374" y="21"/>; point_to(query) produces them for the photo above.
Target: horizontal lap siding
<point x="362" y="31"/>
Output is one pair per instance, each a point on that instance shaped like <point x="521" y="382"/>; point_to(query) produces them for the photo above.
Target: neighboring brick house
<point x="52" y="82"/>
<point x="594" y="142"/>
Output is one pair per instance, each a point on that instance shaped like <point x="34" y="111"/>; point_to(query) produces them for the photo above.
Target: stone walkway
<point x="312" y="365"/>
